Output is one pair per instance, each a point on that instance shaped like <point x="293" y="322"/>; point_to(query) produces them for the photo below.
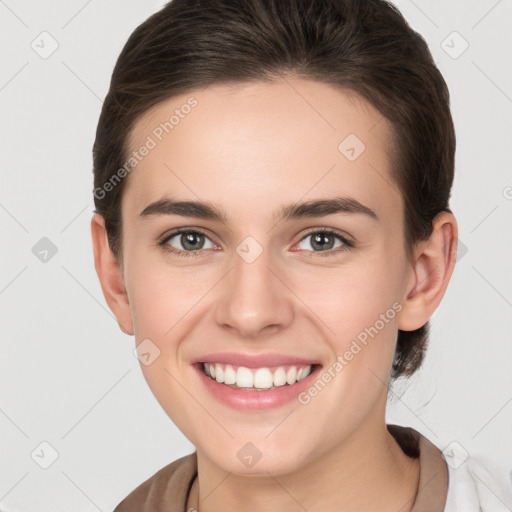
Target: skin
<point x="251" y="149"/>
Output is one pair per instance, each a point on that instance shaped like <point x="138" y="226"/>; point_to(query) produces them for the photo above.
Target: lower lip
<point x="252" y="399"/>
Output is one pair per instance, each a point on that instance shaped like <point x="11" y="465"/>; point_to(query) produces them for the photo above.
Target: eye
<point x="186" y="242"/>
<point x="325" y="241"/>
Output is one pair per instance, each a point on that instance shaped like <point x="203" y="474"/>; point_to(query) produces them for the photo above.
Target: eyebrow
<point x="208" y="211"/>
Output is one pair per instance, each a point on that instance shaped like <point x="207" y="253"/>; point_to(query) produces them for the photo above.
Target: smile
<point x="256" y="379"/>
<point x="256" y="387"/>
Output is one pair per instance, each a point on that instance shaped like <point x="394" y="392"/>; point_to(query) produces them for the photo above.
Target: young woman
<point x="272" y="224"/>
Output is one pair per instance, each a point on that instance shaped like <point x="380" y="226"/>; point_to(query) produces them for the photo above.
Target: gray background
<point x="68" y="375"/>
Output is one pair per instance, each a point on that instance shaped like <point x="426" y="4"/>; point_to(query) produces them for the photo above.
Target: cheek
<point x="161" y="296"/>
<point x="166" y="384"/>
<point x="352" y="297"/>
<point x="161" y="302"/>
<point x="357" y="306"/>
<point x="346" y="300"/>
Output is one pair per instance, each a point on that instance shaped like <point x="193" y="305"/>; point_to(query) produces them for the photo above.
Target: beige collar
<point x="433" y="482"/>
<point x="169" y="488"/>
<point x="433" y="485"/>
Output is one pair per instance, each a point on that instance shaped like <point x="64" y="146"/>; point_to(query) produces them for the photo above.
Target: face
<point x="262" y="289"/>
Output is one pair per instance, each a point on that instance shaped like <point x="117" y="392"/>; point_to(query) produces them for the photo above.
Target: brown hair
<point x="362" y="46"/>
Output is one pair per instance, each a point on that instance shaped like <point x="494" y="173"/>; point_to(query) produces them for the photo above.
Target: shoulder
<point x="451" y="480"/>
<point x="472" y="486"/>
<point x="166" y="490"/>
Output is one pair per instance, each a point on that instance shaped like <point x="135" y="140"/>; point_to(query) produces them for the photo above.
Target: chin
<point x="247" y="459"/>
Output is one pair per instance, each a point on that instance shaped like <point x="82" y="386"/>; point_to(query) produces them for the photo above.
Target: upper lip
<point x="254" y="360"/>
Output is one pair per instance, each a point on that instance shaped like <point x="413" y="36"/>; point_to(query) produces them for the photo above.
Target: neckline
<point x="433" y="481"/>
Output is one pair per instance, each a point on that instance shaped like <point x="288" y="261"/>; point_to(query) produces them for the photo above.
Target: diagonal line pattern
<point x="493" y="287"/>
<point x="197" y="302"/>
<point x="165" y="165"/>
<point x="301" y="300"/>
<point x="408" y="503"/>
<point x="5" y="495"/>
<point x="87" y="413"/>
<point x="506" y="505"/>
<point x="486" y="14"/>
<point x="492" y="211"/>
<point x="304" y="195"/>
<point x="13" y="279"/>
<point x="14" y="423"/>
<point x="491" y="80"/>
<point x="76" y="14"/>
<point x="74" y="218"/>
<point x="309" y="104"/>
<point x="402" y="402"/>
<point x="198" y="403"/>
<point x="215" y="488"/>
<point x="280" y="423"/>
<point x="14" y="218"/>
<point x="424" y="13"/>
<point x="88" y="292"/>
<point x="79" y="79"/>
<point x="381" y="118"/>
<point x="88" y="497"/>
<point x="14" y="76"/>
<point x="506" y="403"/>
<point x="286" y="491"/>
<point x="13" y="13"/>
<point x="384" y="179"/>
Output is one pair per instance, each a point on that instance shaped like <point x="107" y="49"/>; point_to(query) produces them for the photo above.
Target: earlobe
<point x="110" y="274"/>
<point x="433" y="267"/>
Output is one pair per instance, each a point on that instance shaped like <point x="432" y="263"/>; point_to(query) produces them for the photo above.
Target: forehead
<point x="275" y="142"/>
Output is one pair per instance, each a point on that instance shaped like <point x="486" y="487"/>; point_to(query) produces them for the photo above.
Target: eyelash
<point x="347" y="244"/>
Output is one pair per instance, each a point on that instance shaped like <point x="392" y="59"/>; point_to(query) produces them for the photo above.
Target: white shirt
<point x="472" y="488"/>
<point x="451" y="480"/>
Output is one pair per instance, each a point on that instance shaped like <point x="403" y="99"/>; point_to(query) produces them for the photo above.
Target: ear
<point x="434" y="261"/>
<point x="110" y="274"/>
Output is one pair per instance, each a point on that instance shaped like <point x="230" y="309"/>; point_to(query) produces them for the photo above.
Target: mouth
<point x="257" y="379"/>
<point x="253" y="387"/>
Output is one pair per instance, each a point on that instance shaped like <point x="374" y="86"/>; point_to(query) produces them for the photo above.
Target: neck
<point x="364" y="473"/>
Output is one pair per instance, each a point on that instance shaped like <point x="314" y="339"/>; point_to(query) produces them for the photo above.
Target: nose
<point x="254" y="298"/>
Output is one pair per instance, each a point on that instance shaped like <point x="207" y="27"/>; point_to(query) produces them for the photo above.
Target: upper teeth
<point x="262" y="378"/>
